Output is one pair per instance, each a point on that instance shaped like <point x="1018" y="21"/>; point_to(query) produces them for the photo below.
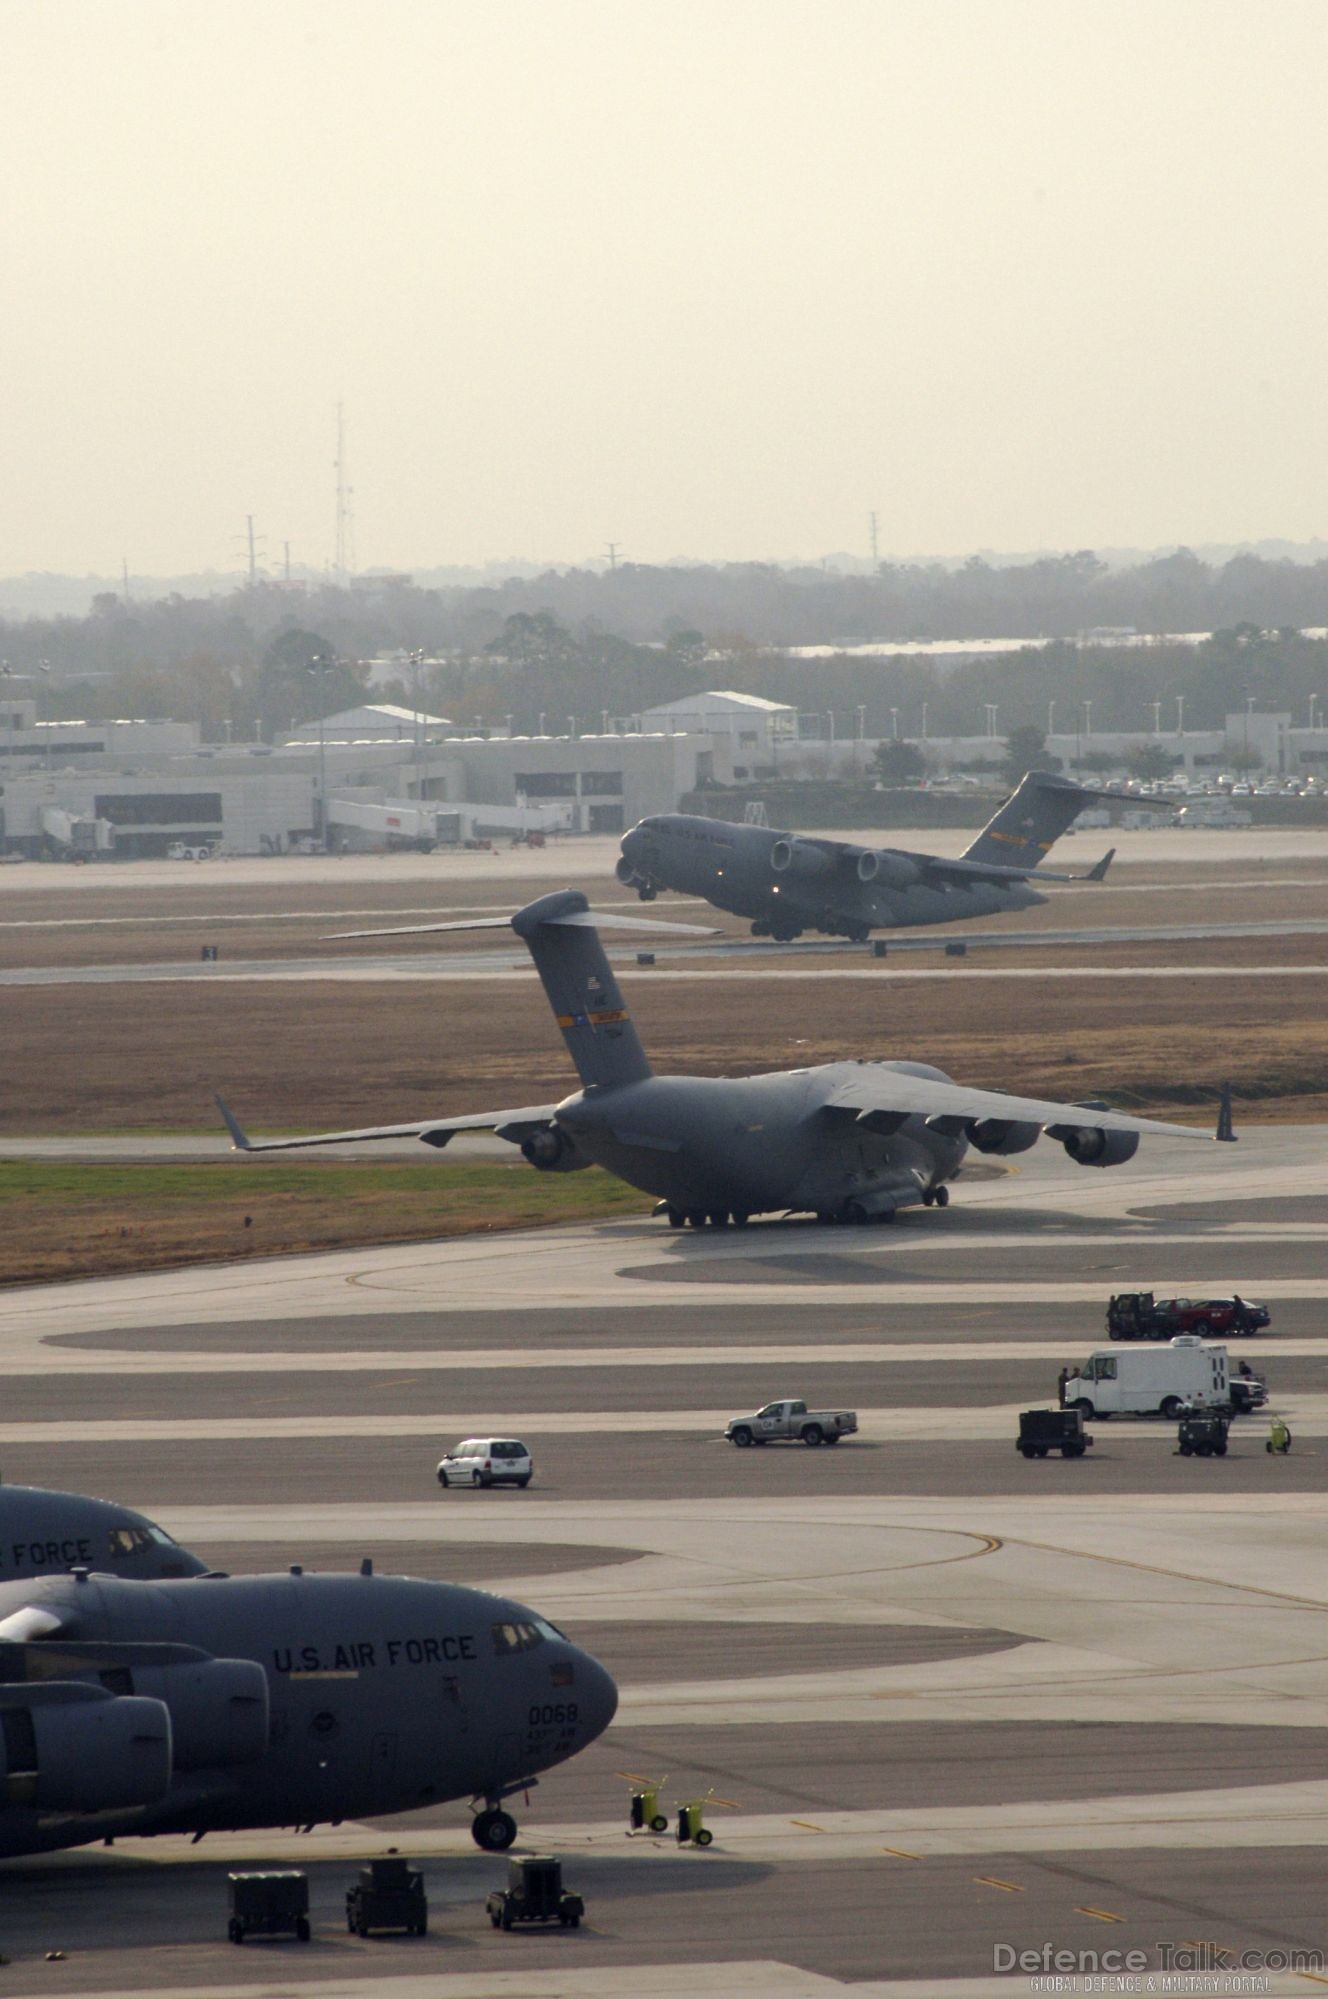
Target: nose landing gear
<point x="493" y="1829"/>
<point x="936" y="1197"/>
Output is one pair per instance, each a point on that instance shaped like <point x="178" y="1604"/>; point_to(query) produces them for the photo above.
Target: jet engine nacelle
<point x="90" y="1752"/>
<point x="626" y="873"/>
<point x="1089" y="1145"/>
<point x="218" y="1710"/>
<point x="891" y="869"/>
<point x="991" y="1134"/>
<point x="801" y="859"/>
<point x="552" y="1151"/>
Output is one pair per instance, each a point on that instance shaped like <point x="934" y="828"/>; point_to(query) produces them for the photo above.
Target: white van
<point x="487" y="1461"/>
<point x="1142" y="1381"/>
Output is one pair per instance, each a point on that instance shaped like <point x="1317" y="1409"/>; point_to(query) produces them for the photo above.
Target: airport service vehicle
<point x="389" y="1895"/>
<point x="268" y="1905"/>
<point x="180" y="850"/>
<point x="1138" y="1315"/>
<point x="848" y="1141"/>
<point x="1043" y="1430"/>
<point x="1202" y="1434"/>
<point x="534" y="1894"/>
<point x="1163" y="1379"/>
<point x="487" y="1461"/>
<point x="791" y="1422"/>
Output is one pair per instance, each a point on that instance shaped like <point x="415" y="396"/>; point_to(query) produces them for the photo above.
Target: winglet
<point x="1225" y="1133"/>
<point x="1099" y="873"/>
<point x="239" y="1138"/>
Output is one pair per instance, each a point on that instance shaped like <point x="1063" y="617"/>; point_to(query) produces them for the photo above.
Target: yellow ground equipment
<point x="643" y="1812"/>
<point x="1279" y="1437"/>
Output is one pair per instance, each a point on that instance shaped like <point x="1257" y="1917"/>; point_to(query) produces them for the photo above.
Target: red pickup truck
<point x="1138" y="1315"/>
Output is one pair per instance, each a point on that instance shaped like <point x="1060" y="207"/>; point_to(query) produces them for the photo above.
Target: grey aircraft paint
<point x="46" y="1533"/>
<point x="849" y="1141"/>
<point x="787" y="882"/>
<point x="226" y="1703"/>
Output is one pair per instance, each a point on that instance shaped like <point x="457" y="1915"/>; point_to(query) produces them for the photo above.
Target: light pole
<point x="541" y="722"/>
<point x="319" y="664"/>
<point x="1157" y="718"/>
<point x="991" y="707"/>
<point x="1180" y="714"/>
<point x="830" y="717"/>
<point x="924" y="721"/>
<point x="571" y="727"/>
<point x="862" y="731"/>
<point x="1051" y="718"/>
<point x="894" y="723"/>
<point x="1314" y="702"/>
<point x="416" y="661"/>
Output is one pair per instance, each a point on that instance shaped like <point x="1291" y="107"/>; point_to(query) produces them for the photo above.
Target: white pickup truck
<point x="792" y="1421"/>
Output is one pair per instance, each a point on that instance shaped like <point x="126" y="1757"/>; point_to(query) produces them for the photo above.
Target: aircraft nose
<point x="631" y="843"/>
<point x="596" y="1696"/>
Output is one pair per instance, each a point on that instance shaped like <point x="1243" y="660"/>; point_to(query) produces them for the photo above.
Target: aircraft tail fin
<point x="562" y="936"/>
<point x="1098" y="873"/>
<point x="1031" y="820"/>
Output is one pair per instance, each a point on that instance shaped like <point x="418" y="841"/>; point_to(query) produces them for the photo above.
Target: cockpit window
<point x="129" y="1541"/>
<point x="516" y="1637"/>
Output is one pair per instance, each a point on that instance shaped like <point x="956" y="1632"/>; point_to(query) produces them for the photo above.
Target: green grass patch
<point x="66" y="1219"/>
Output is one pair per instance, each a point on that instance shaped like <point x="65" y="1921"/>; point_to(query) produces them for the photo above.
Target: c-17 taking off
<point x="788" y="882"/>
<point x="849" y="1141"/>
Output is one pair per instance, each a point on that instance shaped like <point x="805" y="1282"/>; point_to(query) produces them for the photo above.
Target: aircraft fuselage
<point x="384" y="1694"/>
<point x="734" y="867"/>
<point x="756" y="1144"/>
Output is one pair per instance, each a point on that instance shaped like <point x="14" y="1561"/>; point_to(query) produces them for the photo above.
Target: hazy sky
<point x="709" y="277"/>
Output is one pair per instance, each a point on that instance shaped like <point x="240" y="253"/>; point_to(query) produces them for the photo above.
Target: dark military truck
<point x="1138" y="1315"/>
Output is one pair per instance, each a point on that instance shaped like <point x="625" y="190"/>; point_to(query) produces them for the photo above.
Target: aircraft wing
<point x="882" y="1097"/>
<point x="576" y="919"/>
<point x="513" y="1124"/>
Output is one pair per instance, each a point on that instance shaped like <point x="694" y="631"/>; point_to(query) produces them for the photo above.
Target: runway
<point x="740" y="958"/>
<point x="956" y="1700"/>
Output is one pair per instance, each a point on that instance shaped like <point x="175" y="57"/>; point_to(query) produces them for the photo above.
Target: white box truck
<point x="1150" y="1380"/>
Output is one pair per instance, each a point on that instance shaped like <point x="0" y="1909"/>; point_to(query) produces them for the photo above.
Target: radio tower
<point x="345" y="556"/>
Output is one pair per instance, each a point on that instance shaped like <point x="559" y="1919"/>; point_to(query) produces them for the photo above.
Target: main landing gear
<point x="936" y="1197"/>
<point x="697" y="1218"/>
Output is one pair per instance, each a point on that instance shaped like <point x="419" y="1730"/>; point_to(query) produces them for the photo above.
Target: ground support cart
<point x="534" y="1894"/>
<point x="389" y="1895"/>
<point x="268" y="1905"/>
<point x="643" y="1812"/>
<point x="1043" y="1430"/>
<point x="1202" y="1434"/>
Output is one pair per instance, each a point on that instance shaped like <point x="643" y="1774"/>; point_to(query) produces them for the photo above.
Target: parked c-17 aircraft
<point x="789" y="882"/>
<point x="221" y="1703"/>
<point x="44" y="1533"/>
<point x="850" y="1141"/>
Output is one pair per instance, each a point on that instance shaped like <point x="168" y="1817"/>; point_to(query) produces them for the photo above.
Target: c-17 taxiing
<point x="789" y="882"/>
<point x="849" y="1141"/>
<point x="220" y="1703"/>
